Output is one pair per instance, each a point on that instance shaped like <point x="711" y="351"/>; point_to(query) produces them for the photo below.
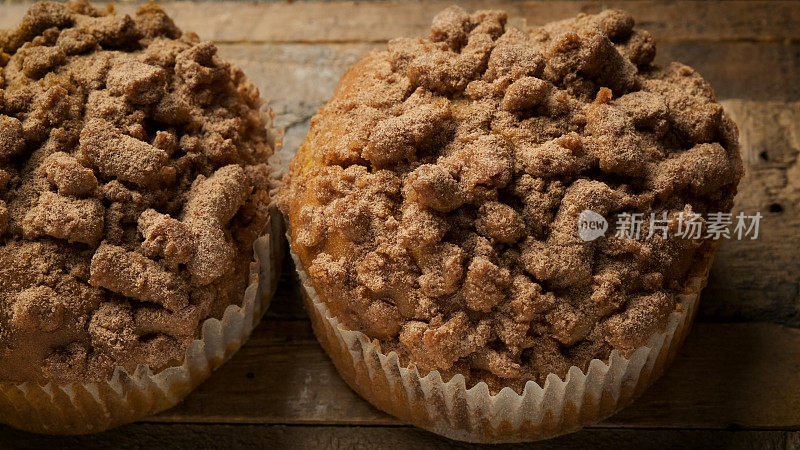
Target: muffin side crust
<point x="435" y="201"/>
<point x="134" y="183"/>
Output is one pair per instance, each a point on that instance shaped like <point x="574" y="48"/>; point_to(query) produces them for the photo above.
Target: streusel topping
<point x="435" y="201"/>
<point x="133" y="184"/>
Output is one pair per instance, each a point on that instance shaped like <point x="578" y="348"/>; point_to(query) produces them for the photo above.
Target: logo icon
<point x="591" y="225"/>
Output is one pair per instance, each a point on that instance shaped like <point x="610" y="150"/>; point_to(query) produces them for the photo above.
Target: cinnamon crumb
<point x="133" y="182"/>
<point x="496" y="139"/>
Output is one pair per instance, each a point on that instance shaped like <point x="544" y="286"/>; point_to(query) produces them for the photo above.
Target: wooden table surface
<point x="736" y="383"/>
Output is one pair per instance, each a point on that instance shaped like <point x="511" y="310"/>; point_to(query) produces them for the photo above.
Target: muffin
<point x="134" y="184"/>
<point x="434" y="212"/>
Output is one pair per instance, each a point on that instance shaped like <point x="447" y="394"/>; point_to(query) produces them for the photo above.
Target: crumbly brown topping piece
<point x="132" y="186"/>
<point x="435" y="200"/>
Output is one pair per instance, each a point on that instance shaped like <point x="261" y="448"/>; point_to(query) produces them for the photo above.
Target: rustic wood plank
<point x="742" y="70"/>
<point x="349" y="21"/>
<point x="743" y="375"/>
<point x="281" y="376"/>
<point x="192" y="436"/>
<point x="365" y="21"/>
<point x="760" y="280"/>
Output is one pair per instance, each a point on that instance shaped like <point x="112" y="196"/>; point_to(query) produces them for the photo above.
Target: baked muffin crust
<point x="434" y="203"/>
<point x="133" y="186"/>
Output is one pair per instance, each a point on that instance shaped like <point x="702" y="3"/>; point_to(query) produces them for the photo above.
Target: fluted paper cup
<point x="449" y="408"/>
<point x="89" y="407"/>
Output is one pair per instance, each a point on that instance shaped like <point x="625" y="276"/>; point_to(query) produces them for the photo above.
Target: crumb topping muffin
<point x="434" y="203"/>
<point x="133" y="185"/>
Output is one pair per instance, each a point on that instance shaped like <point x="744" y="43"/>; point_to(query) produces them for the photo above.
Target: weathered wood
<point x="282" y="376"/>
<point x="726" y="375"/>
<point x="192" y="436"/>
<point x="760" y="279"/>
<point x="349" y="21"/>
<point x="743" y="70"/>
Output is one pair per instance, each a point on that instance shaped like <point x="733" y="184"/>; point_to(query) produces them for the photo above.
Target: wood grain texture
<point x="360" y="21"/>
<point x="760" y="279"/>
<point x="194" y="437"/>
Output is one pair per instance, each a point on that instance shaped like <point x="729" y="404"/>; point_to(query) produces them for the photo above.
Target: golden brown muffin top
<point x="133" y="184"/>
<point x="435" y="200"/>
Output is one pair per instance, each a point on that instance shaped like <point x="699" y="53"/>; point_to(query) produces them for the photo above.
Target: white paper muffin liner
<point x="87" y="407"/>
<point x="474" y="415"/>
<point x="91" y="407"/>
